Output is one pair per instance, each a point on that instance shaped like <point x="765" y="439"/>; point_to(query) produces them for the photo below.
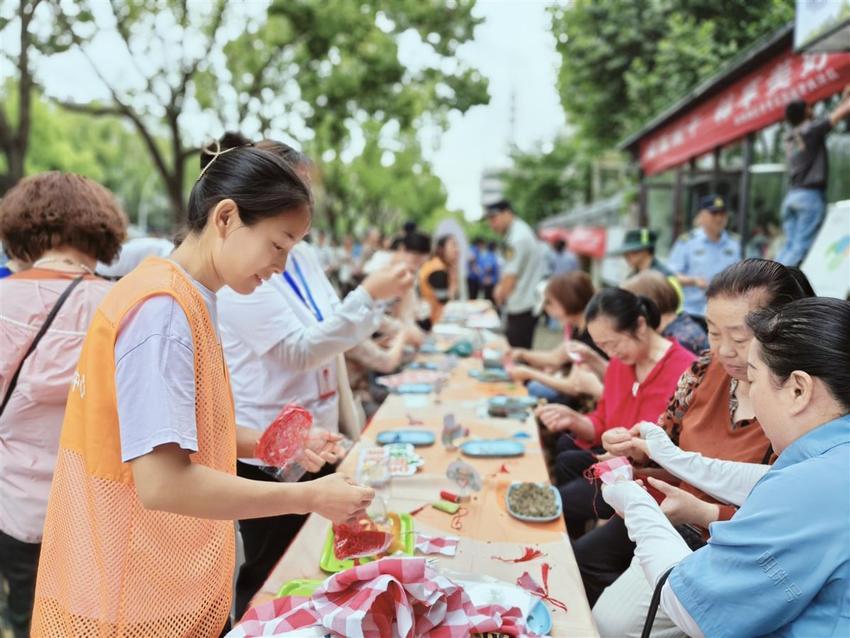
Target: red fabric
<point x="393" y="597"/>
<point x="619" y="407"/>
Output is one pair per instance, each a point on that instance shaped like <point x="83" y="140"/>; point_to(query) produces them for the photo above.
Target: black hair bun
<point x="650" y="311"/>
<point x="231" y="139"/>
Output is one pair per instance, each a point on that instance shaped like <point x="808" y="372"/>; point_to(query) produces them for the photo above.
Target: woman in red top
<point x="641" y="377"/>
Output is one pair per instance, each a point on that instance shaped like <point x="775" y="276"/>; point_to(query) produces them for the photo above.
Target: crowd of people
<point x="132" y="404"/>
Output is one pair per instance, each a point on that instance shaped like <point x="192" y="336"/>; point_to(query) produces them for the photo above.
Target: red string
<point x="544" y="568"/>
<point x="527" y="582"/>
<point x="457" y="524"/>
<point x="530" y="554"/>
<point x="591" y="475"/>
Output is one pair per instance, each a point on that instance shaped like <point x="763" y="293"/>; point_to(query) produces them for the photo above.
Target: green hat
<point x="637" y="239"/>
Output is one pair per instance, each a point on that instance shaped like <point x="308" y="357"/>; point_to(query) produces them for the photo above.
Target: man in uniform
<point x="525" y="266"/>
<point x="638" y="249"/>
<point x="703" y="252"/>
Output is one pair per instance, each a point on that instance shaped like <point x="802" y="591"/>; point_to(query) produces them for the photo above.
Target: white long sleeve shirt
<point x="279" y="352"/>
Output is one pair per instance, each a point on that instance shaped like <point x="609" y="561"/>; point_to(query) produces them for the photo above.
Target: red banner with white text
<point x="755" y="101"/>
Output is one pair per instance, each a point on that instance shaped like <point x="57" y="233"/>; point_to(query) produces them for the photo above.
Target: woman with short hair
<point x="677" y="325"/>
<point x="565" y="299"/>
<point x="62" y="224"/>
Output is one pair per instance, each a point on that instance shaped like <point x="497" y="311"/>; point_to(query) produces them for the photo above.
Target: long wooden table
<point x="488" y="530"/>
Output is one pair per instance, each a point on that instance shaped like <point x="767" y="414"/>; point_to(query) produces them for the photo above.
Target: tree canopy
<point x="623" y="62"/>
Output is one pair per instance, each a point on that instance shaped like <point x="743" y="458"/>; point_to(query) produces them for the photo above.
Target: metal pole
<point x="715" y="175"/>
<point x="744" y="194"/>
<point x="643" y="215"/>
<point x="677" y="202"/>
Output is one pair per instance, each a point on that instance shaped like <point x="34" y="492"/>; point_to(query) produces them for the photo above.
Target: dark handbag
<point x="50" y="317"/>
<point x="653" y="605"/>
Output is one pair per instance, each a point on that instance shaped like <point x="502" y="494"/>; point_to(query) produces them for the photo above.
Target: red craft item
<point x="528" y="583"/>
<point x="284" y="440"/>
<point x="529" y="554"/>
<point x="360" y="541"/>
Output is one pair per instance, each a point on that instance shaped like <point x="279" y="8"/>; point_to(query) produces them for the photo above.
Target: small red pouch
<point x="285" y="438"/>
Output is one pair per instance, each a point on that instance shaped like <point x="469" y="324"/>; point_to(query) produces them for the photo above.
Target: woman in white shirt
<point x="282" y="344"/>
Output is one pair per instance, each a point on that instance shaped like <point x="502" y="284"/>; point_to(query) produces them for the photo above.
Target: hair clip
<point x="216" y="154"/>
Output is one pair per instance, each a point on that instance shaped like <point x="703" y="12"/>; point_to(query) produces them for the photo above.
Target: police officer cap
<point x="713" y="204"/>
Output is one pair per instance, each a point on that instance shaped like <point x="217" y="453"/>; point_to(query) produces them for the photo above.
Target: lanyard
<point x="311" y="305"/>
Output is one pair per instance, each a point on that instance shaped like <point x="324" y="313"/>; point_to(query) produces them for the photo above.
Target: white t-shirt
<point x="279" y="352"/>
<point x="525" y="259"/>
<point x="155" y="375"/>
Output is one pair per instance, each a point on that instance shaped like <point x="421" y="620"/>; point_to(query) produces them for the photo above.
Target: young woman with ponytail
<point x="641" y="377"/>
<point x="139" y="539"/>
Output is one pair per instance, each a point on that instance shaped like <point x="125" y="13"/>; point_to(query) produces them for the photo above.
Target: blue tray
<point x="515" y="403"/>
<point x="490" y="375"/>
<point x="536" y="519"/>
<point x="423" y="365"/>
<point x="493" y="448"/>
<point x="416" y="438"/>
<point x="414" y="388"/>
<point x="539" y="619"/>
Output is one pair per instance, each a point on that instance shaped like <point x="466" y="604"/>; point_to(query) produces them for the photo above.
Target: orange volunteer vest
<point x="109" y="567"/>
<point x="427" y="291"/>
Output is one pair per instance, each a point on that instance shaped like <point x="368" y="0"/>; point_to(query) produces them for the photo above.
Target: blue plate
<point x="414" y="388"/>
<point x="536" y="519"/>
<point x="512" y="403"/>
<point x="493" y="448"/>
<point x="490" y="375"/>
<point x="539" y="619"/>
<point x="429" y="347"/>
<point x="423" y="365"/>
<point x="416" y="438"/>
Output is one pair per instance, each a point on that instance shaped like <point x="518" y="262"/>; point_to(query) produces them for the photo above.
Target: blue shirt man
<point x="488" y="266"/>
<point x="781" y="566"/>
<point x="699" y="255"/>
<point x="560" y="260"/>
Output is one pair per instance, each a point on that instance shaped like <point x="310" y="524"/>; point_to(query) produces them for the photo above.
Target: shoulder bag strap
<point x="653" y="605"/>
<point x="50" y="317"/>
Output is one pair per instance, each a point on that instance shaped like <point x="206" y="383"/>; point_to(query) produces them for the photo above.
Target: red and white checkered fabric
<point x="395" y="597"/>
<point x="445" y="545"/>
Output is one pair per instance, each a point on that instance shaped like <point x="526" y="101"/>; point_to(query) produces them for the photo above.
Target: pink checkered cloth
<point x="395" y="597"/>
<point x="445" y="545"/>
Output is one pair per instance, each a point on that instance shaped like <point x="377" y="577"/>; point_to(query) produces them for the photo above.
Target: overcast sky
<point x="516" y="51"/>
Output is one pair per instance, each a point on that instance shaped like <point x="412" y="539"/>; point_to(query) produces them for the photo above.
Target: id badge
<point x="327" y="382"/>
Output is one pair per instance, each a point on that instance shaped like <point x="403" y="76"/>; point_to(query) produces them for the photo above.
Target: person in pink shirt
<point x="62" y="224"/>
<point x="641" y="377"/>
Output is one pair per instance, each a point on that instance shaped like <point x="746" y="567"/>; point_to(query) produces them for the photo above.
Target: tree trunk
<point x="174" y="186"/>
<point x="16" y="138"/>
